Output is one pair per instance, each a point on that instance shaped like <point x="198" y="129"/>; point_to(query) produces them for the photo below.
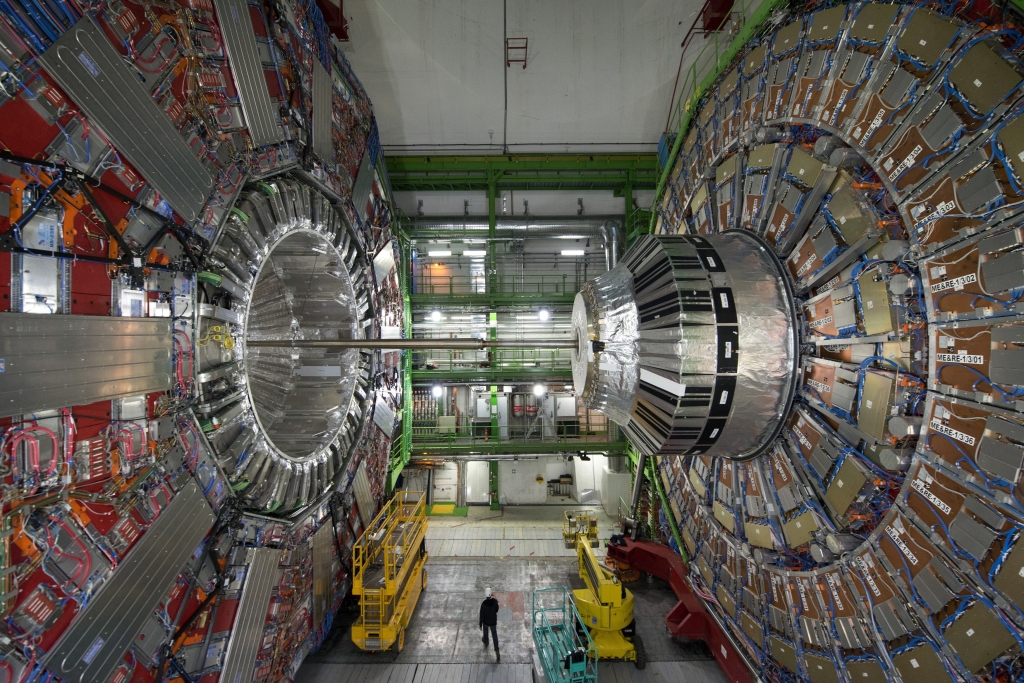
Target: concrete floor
<point x="515" y="531"/>
<point x="443" y="640"/>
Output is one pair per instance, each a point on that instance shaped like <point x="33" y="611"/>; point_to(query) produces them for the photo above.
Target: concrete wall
<point x="477" y="477"/>
<point x="585" y="475"/>
<point x="520" y="487"/>
<point x="613" y="486"/>
<point x="517" y="482"/>
<point x="597" y="71"/>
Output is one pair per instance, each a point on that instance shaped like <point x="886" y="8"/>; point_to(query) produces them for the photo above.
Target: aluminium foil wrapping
<point x="766" y="341"/>
<point x="615" y="367"/>
<point x="696" y="349"/>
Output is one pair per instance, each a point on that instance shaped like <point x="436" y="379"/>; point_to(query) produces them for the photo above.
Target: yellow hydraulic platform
<point x="579" y="523"/>
<point x="605" y="606"/>
<point x="389" y="572"/>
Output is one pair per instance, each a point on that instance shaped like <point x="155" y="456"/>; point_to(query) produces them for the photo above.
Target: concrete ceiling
<point x="598" y="77"/>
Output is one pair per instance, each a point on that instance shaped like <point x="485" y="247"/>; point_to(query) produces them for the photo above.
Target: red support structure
<point x="688" y="619"/>
<point x="334" y="15"/>
<point x="715" y="13"/>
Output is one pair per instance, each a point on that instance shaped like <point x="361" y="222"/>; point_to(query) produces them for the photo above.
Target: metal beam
<point x="498" y="448"/>
<point x="491" y="301"/>
<point x="430" y="344"/>
<point x="521" y="163"/>
<point x="541" y="172"/>
<point x="516" y="375"/>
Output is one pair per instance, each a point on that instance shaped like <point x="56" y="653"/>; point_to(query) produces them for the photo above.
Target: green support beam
<point x="400" y="444"/>
<point x="495" y="501"/>
<point x="515" y="375"/>
<point x="513" y="448"/>
<point x="669" y="515"/>
<point x="491" y="301"/>
<point x="521" y="172"/>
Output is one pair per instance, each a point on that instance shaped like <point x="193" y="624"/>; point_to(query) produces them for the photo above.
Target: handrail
<point x="399" y="456"/>
<point x="563" y="620"/>
<point x="463" y="435"/>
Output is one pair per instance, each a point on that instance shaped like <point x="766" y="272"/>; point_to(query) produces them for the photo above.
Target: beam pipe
<point x="415" y="344"/>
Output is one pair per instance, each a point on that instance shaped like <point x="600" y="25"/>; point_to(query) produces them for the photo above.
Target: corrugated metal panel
<point x="97" y="639"/>
<point x="247" y="633"/>
<point x="364" y="498"/>
<point x="61" y="360"/>
<point x="323" y="93"/>
<point x="88" y="68"/>
<point x="243" y="55"/>
<point x="363" y="185"/>
<point x="322" y="572"/>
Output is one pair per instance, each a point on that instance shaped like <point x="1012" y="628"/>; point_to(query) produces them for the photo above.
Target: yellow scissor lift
<point x="389" y="572"/>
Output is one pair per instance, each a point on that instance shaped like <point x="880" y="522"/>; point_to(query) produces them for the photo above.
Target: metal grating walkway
<point x="609" y="672"/>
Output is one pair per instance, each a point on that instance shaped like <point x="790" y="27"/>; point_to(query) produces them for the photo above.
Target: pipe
<point x="420" y="459"/>
<point x="607" y="257"/>
<point x="460" y="489"/>
<point x="615" y="244"/>
<point x="507" y="227"/>
<point x="617" y="463"/>
<point x="416" y="344"/>
<point x="638" y="484"/>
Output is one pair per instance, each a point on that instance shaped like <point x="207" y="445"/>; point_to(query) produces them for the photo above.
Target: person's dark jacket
<point x="489" y="612"/>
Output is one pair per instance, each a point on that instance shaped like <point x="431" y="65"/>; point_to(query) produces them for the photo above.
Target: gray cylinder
<point x="690" y="345"/>
<point x="825" y="145"/>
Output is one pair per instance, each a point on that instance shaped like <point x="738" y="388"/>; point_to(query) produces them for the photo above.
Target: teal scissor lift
<point x="564" y="646"/>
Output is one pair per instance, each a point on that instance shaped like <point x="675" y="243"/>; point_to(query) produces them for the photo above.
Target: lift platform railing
<point x="564" y="646"/>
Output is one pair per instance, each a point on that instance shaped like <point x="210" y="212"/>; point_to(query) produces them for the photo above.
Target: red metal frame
<point x="688" y="619"/>
<point x="334" y="15"/>
<point x="522" y="44"/>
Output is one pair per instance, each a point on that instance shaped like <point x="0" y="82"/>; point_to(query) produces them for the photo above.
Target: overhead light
<point x="543" y="314"/>
<point x="443" y="252"/>
<point x="435" y="316"/>
<point x="436" y="391"/>
<point x="475" y="252"/>
<point x="538" y="390"/>
<point x="573" y="252"/>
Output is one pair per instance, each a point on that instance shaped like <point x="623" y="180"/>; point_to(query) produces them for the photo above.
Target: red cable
<point x="78" y="541"/>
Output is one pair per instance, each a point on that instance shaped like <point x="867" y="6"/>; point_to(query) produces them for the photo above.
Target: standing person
<point x="489" y="620"/>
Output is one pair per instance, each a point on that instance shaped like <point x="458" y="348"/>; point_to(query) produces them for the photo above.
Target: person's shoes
<point x="498" y="655"/>
<point x="484" y="641"/>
